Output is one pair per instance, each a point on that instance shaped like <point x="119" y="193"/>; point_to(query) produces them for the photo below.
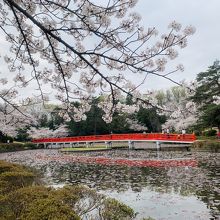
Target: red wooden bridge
<point x="130" y="138"/>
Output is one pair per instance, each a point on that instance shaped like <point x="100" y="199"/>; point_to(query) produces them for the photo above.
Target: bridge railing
<point x="119" y="137"/>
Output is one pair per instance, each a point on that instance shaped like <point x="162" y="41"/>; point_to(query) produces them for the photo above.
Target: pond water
<point x="184" y="192"/>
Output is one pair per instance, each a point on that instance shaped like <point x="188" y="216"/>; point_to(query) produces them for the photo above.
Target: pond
<point x="161" y="192"/>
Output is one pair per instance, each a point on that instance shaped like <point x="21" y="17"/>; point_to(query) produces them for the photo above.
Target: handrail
<point x="120" y="137"/>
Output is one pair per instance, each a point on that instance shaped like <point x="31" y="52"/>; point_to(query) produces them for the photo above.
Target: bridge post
<point x="108" y="144"/>
<point x="131" y="145"/>
<point x="158" y="145"/>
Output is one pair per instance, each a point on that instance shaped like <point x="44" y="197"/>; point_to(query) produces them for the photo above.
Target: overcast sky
<point x="204" y="45"/>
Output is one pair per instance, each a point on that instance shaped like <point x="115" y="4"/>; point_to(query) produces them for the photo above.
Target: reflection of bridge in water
<point x="150" y="140"/>
<point x="133" y="162"/>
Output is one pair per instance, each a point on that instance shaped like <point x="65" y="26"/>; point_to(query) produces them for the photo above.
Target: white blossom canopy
<point x="11" y="120"/>
<point x="88" y="47"/>
<point x="35" y="133"/>
<point x="184" y="111"/>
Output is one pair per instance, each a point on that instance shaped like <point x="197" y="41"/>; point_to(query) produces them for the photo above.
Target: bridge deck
<point x="150" y="137"/>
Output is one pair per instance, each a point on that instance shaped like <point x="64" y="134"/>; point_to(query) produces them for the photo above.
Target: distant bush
<point x="5" y="138"/>
<point x="197" y="132"/>
<point x="210" y="133"/>
<point x="8" y="147"/>
<point x="212" y="145"/>
<point x="30" y="145"/>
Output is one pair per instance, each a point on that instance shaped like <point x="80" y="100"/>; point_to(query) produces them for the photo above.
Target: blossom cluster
<point x="79" y="48"/>
<point x="135" y="125"/>
<point x="11" y="120"/>
<point x="180" y="110"/>
<point x="35" y="133"/>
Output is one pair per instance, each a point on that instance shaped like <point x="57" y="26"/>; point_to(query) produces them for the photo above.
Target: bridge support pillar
<point x="158" y="144"/>
<point x="108" y="144"/>
<point x="89" y="144"/>
<point x="131" y="145"/>
<point x="62" y="145"/>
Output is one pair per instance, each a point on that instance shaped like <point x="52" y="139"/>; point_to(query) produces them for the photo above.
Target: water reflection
<point x="164" y="205"/>
<point x="163" y="193"/>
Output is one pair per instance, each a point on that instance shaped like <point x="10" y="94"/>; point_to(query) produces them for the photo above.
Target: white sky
<point x="204" y="45"/>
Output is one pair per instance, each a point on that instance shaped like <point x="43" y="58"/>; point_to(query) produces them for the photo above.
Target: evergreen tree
<point x="207" y="96"/>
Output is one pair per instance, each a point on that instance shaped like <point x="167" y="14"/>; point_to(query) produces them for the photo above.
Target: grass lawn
<point x="68" y="149"/>
<point x="207" y="138"/>
<point x="18" y="142"/>
<point x="91" y="148"/>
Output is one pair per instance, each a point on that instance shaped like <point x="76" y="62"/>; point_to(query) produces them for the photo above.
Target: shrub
<point x="17" y="201"/>
<point x="13" y="176"/>
<point x="115" y="210"/>
<point x="7" y="147"/>
<point x="5" y="138"/>
<point x="11" y="167"/>
<point x="6" y="167"/>
<point x="197" y="132"/>
<point x="30" y="145"/>
<point x="210" y="133"/>
<point x="148" y="218"/>
<point x="48" y="209"/>
<point x="212" y="145"/>
<point x="15" y="180"/>
<point x="69" y="194"/>
<point x="35" y="202"/>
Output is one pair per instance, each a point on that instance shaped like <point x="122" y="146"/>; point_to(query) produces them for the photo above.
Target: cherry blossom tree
<point x="135" y="125"/>
<point x="11" y="119"/>
<point x="79" y="48"/>
<point x="184" y="117"/>
<point x="181" y="112"/>
<point x="35" y="133"/>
